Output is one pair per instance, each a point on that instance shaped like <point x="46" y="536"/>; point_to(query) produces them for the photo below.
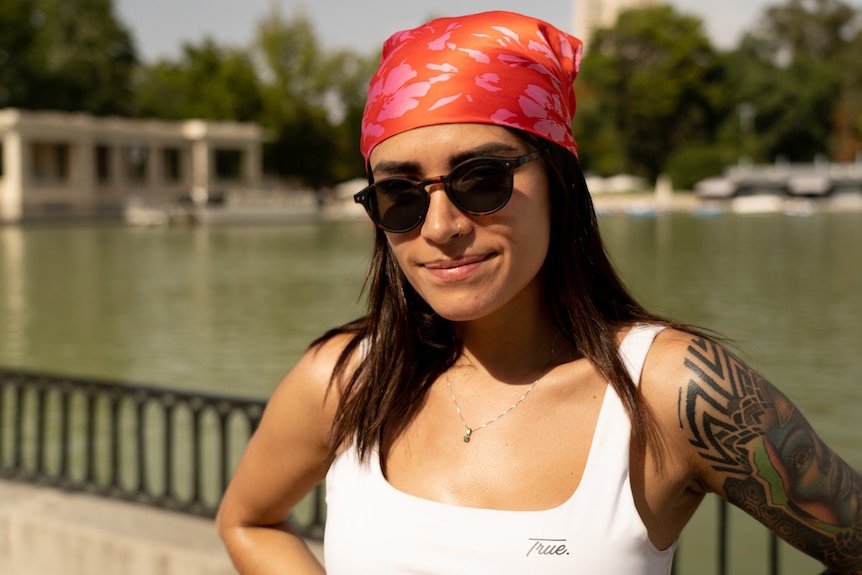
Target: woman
<point x="506" y="406"/>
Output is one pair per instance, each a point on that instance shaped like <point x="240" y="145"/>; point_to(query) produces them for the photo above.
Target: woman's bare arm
<point x="283" y="462"/>
<point x="753" y="447"/>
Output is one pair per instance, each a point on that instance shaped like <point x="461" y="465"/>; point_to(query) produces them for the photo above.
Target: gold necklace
<point x="469" y="429"/>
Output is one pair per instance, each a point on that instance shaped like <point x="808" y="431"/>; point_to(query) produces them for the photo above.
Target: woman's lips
<point x="456" y="269"/>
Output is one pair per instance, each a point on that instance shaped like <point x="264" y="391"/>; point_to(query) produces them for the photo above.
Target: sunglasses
<point x="478" y="186"/>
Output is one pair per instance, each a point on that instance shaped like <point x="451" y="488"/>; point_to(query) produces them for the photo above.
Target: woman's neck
<point x="511" y="347"/>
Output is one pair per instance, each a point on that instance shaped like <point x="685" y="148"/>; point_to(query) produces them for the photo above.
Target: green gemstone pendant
<point x="467" y="436"/>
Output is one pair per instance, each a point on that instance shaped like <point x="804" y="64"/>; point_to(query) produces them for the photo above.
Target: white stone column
<point x="82" y="167"/>
<point x="200" y="170"/>
<point x="119" y="168"/>
<point x="155" y="171"/>
<point x="252" y="168"/>
<point x="186" y="167"/>
<point x="11" y="193"/>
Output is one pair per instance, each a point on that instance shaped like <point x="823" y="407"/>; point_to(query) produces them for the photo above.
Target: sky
<point x="161" y="26"/>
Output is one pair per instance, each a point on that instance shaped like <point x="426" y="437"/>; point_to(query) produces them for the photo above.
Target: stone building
<point x="59" y="165"/>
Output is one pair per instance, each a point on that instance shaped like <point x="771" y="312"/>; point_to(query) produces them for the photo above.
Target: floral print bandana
<point x="496" y="68"/>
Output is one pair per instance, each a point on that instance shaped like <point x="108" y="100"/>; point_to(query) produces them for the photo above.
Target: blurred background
<point x="684" y="88"/>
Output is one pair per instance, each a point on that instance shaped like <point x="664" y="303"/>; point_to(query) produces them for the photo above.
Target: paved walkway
<point x="51" y="532"/>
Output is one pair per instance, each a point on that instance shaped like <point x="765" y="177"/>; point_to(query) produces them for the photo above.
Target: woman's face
<point x="470" y="267"/>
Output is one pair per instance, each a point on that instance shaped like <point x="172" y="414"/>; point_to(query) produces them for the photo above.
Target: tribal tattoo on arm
<point x="772" y="464"/>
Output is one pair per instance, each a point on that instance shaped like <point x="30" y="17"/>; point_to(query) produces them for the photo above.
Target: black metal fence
<point x="161" y="447"/>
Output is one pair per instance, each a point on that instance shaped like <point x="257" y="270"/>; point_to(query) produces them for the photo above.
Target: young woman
<point x="506" y="406"/>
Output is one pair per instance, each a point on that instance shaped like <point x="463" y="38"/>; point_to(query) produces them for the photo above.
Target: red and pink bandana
<point x="492" y="68"/>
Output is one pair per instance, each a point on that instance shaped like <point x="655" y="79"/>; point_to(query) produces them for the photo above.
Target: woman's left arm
<point x="754" y="448"/>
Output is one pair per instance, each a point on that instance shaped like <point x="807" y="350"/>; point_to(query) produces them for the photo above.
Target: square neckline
<point x="599" y="432"/>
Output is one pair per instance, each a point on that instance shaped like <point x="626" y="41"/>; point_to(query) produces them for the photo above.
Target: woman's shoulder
<point x="674" y="360"/>
<point x="328" y="360"/>
<point x="665" y="346"/>
<point x="693" y="384"/>
<point x="669" y="361"/>
<point x="313" y="384"/>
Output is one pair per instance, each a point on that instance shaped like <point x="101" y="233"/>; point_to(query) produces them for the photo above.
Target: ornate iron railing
<point x="161" y="447"/>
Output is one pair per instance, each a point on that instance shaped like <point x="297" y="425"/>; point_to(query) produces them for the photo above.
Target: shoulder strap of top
<point x="635" y="347"/>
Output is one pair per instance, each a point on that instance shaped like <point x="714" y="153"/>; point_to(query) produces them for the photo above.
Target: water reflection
<point x="225" y="309"/>
<point x="13" y="303"/>
<point x="786" y="289"/>
<point x="230" y="309"/>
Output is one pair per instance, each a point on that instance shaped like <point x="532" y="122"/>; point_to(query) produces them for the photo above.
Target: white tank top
<point x="374" y="529"/>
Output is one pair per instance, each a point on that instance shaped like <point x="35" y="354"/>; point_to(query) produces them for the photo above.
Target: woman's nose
<point x="444" y="220"/>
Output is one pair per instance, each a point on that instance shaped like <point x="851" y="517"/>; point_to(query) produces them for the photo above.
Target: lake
<point x="228" y="309"/>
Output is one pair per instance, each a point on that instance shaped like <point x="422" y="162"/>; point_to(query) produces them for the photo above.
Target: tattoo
<point x="774" y="466"/>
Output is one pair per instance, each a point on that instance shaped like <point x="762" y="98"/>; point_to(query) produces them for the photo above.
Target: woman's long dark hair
<point x="406" y="346"/>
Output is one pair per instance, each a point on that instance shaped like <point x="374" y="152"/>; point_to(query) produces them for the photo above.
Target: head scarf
<point x="496" y="68"/>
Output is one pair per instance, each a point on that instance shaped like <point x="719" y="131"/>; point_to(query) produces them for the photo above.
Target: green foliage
<point x="690" y="164"/>
<point x="313" y="101"/>
<point x="792" y="69"/>
<point x="600" y="144"/>
<point x="17" y="34"/>
<point x="657" y="82"/>
<point x="349" y="75"/>
<point x="294" y="97"/>
<point x="209" y="82"/>
<point x="847" y="132"/>
<point x="654" y="95"/>
<point x="60" y="55"/>
<point x="818" y="29"/>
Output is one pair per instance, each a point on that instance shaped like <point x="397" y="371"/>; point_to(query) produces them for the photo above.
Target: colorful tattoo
<point x="776" y="467"/>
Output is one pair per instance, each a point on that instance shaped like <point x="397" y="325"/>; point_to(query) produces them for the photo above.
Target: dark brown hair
<point x="407" y="346"/>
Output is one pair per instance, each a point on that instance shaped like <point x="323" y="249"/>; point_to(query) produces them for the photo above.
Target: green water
<point x="229" y="309"/>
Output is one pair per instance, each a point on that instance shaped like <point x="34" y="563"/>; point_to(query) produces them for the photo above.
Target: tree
<point x="348" y="75"/>
<point x="817" y="29"/>
<point x="848" y="116"/>
<point x="657" y="80"/>
<point x="87" y="58"/>
<point x="208" y="81"/>
<point x="17" y="32"/>
<point x="313" y="101"/>
<point x="796" y="69"/>
<point x="71" y="56"/>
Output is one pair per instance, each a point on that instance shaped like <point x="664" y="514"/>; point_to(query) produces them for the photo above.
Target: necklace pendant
<point x="467" y="435"/>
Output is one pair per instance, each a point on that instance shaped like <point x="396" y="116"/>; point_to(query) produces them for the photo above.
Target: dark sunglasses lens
<point x="397" y="204"/>
<point x="482" y="187"/>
